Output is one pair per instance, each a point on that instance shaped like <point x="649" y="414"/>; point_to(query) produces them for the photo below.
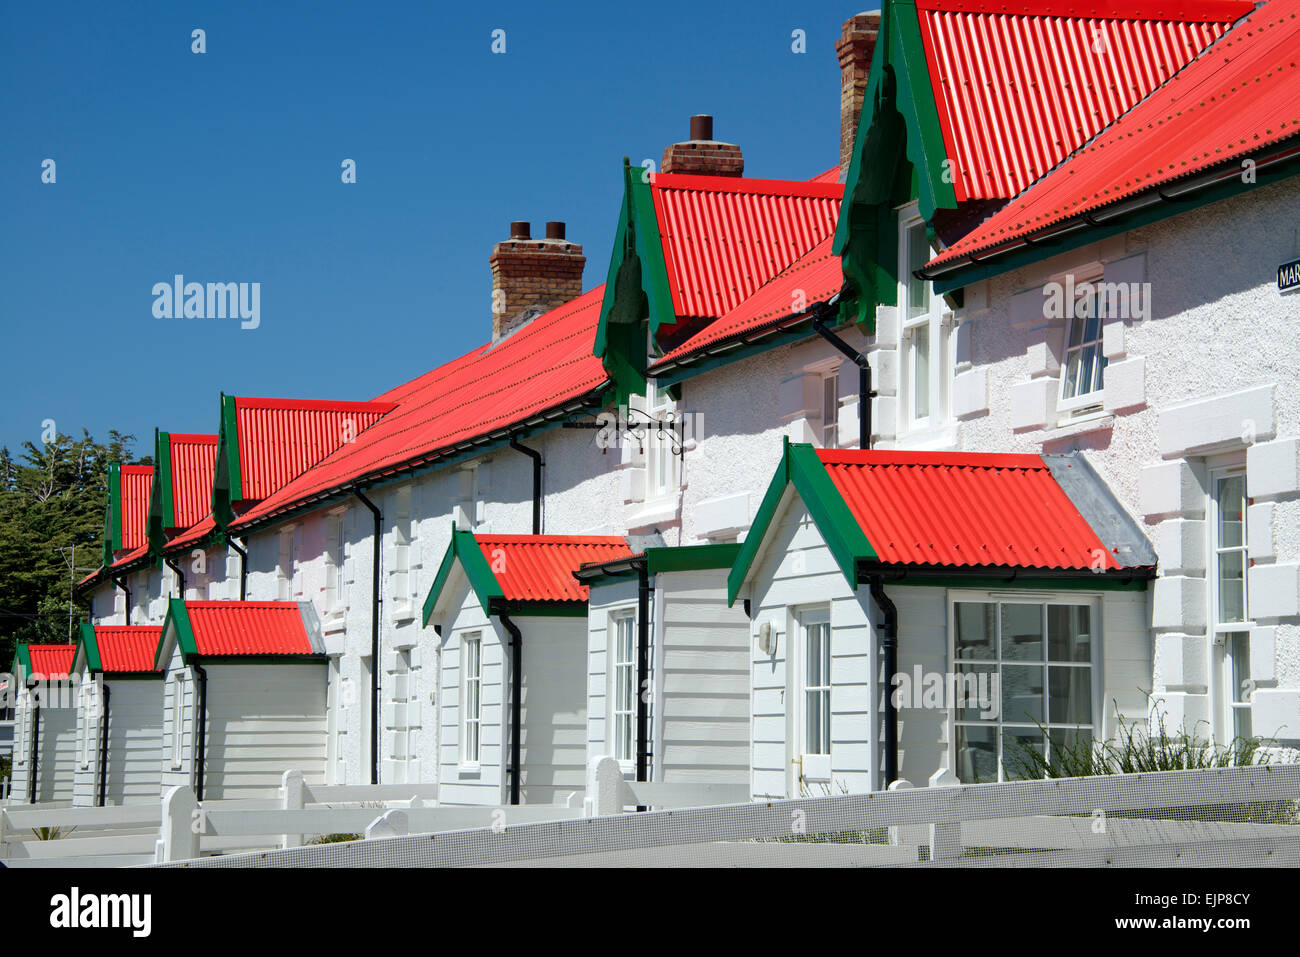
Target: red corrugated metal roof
<point x="140" y="551"/>
<point x="964" y="509"/>
<point x="248" y="628"/>
<point x="136" y="484"/>
<point x="724" y="237"/>
<point x="1234" y="102"/>
<point x="541" y="567"/>
<point x="279" y="439"/>
<point x="541" y="367"/>
<point x="1020" y="86"/>
<point x="814" y="277"/>
<point x="832" y="175"/>
<point x="194" y="459"/>
<point x="127" y="648"/>
<point x="52" y="661"/>
<point x="192" y="535"/>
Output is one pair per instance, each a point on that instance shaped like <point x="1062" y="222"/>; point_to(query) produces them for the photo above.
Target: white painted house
<point x="45" y="723"/>
<point x="119" y="716"/>
<point x="243" y="699"/>
<point x="512" y="658"/>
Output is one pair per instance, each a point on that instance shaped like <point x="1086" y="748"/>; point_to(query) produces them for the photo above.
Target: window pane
<point x="1076" y="330"/>
<point x="1241" y="726"/>
<point x="921" y="372"/>
<point x="1068" y="637"/>
<point x="1231" y="500"/>
<point x="918" y="254"/>
<point x="1022" y="632"/>
<point x="976" y="624"/>
<point x="1074" y="741"/>
<point x="1069" y="695"/>
<point x="1070" y="385"/>
<point x="1232" y="587"/>
<point x="1238" y="665"/>
<point x="818" y="717"/>
<point x="1022" y="693"/>
<point x="1098" y="369"/>
<point x="1015" y="744"/>
<point x="976" y="689"/>
<point x="976" y="758"/>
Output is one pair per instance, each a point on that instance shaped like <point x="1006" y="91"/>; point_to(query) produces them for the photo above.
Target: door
<point x="811" y="704"/>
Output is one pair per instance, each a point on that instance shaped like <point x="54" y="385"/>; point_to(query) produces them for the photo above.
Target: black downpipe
<point x="35" y="763"/>
<point x="201" y="756"/>
<point x="889" y="648"/>
<point x="376" y="542"/>
<point x="126" y="591"/>
<point x="865" y="392"/>
<point x="243" y="567"/>
<point x="537" y="481"/>
<point x="180" y="576"/>
<point x="103" y="747"/>
<point x="516" y="695"/>
<point x="642" y="672"/>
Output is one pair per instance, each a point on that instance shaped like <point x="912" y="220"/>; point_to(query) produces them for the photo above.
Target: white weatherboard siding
<point x="703" y="691"/>
<point x="795" y="572"/>
<point x="135" y="734"/>
<point x="553" y="739"/>
<point x="263" y="720"/>
<point x="57" y="746"/>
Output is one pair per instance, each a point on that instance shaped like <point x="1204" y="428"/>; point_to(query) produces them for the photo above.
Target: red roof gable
<point x="963" y="510"/>
<point x="723" y="237"/>
<point x="248" y="628"/>
<point x="539" y="369"/>
<point x="1238" y="101"/>
<point x="541" y="567"/>
<point x="279" y="439"/>
<point x="1019" y="87"/>
<point x="193" y="459"/>
<point x="136" y="484"/>
<point x="135" y="554"/>
<point x="127" y="648"/>
<point x="52" y="661"/>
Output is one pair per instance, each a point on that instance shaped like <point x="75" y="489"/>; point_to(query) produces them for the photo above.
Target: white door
<point x="811" y="704"/>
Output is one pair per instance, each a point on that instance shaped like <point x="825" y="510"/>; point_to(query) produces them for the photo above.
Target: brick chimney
<point x="857" y="41"/>
<point x="703" y="154"/>
<point x="531" y="276"/>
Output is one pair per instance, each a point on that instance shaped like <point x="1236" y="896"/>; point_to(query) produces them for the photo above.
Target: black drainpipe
<point x="642" y="672"/>
<point x="374" y="634"/>
<point x="180" y="575"/>
<point x="537" y="481"/>
<point x="35" y="763"/>
<point x="516" y="694"/>
<point x="889" y="647"/>
<point x="243" y="567"/>
<point x="126" y="591"/>
<point x="103" y="746"/>
<point x="200" y="760"/>
<point x="865" y="392"/>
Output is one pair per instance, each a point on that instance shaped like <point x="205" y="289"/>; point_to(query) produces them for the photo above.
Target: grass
<point x="336" y="838"/>
<point x="54" y="833"/>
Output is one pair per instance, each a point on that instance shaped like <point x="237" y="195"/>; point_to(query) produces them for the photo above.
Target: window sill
<point x="942" y="438"/>
<point x="1093" y="422"/>
<point x="656" y="512"/>
<point x="336" y="621"/>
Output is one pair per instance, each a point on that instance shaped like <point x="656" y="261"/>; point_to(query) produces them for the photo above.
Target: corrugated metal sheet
<point x="248" y="628"/>
<point x="1018" y="93"/>
<point x="127" y="648"/>
<point x="279" y="439"/>
<point x="137" y="482"/>
<point x="814" y="277"/>
<point x="52" y="661"/>
<point x="725" y="237"/>
<point x="135" y="554"/>
<point x="971" y="509"/>
<point x="1236" y="102"/>
<point x="544" y="365"/>
<point x="541" y="567"/>
<point x="194" y="460"/>
<point x="192" y="535"/>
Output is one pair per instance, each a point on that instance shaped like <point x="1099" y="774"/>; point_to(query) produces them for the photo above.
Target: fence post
<point x="945" y="839"/>
<point x="604" y="787"/>
<point x="392" y="823"/>
<point x="181" y="824"/>
<point x="292" y="798"/>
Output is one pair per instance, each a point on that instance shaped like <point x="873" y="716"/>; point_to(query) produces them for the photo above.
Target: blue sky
<point x="225" y="166"/>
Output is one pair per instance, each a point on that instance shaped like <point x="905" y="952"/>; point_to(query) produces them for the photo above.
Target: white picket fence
<point x="180" y="828"/>
<point x="1227" y="817"/>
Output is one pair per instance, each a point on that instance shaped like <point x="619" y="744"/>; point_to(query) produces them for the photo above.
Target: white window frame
<point x="662" y="464"/>
<point x="402" y="532"/>
<point x="1229" y="692"/>
<point x="627" y="680"/>
<point x="1093" y="601"/>
<point x="83" y="726"/>
<point x="938" y="342"/>
<point x="811" y="766"/>
<point x="336" y="562"/>
<point x="468" y="760"/>
<point x="830" y="409"/>
<point x="178" y="719"/>
<point x="1092" y="399"/>
<point x="22" y="725"/>
<point x="284" y="570"/>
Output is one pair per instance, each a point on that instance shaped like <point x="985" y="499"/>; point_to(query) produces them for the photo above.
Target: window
<point x="1229" y="607"/>
<point x="624" y="693"/>
<point x="336" y="555"/>
<point x="662" y="441"/>
<point x="924" y="362"/>
<point x="812" y="698"/>
<point x="830" y="410"/>
<point x="471" y="697"/>
<point x="285" y="566"/>
<point x="178" y="717"/>
<point x="1084" y="363"/>
<point x="1020" y="664"/>
<point x="404" y="684"/>
<point x="83" y="728"/>
<point x="402" y="546"/>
